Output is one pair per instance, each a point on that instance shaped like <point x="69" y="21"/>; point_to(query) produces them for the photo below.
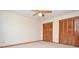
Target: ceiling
<point x="55" y="13"/>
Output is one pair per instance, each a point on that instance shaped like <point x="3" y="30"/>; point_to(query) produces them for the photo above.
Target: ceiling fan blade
<point x="35" y="14"/>
<point x="42" y="11"/>
<point x="47" y="11"/>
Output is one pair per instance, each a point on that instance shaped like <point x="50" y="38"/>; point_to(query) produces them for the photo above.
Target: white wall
<point x="17" y="29"/>
<point x="1" y="30"/>
<point x="56" y="24"/>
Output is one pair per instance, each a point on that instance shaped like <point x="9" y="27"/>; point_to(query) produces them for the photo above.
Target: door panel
<point x="65" y="31"/>
<point x="47" y="32"/>
<point x="61" y="32"/>
<point x="77" y="32"/>
<point x="70" y="31"/>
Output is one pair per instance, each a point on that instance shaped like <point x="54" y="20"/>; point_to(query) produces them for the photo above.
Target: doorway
<point x="47" y="32"/>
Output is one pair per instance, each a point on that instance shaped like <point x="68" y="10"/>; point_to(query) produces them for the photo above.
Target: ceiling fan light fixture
<point x="40" y="14"/>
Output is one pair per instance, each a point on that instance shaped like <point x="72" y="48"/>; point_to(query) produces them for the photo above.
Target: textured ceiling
<point x="55" y="13"/>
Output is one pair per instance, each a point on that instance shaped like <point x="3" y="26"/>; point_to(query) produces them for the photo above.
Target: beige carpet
<point x="42" y="44"/>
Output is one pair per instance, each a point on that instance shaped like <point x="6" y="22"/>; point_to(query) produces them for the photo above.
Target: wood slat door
<point x="47" y="32"/>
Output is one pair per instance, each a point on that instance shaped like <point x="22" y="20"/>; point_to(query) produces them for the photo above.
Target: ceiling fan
<point x="41" y="12"/>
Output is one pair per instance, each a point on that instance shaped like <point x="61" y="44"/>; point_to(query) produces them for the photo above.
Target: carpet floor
<point x="42" y="44"/>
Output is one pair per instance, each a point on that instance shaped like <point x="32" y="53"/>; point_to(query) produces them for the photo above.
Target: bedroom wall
<point x="17" y="29"/>
<point x="56" y="24"/>
<point x="1" y="30"/>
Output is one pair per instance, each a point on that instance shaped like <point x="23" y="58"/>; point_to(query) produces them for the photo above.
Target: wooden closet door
<point x="47" y="32"/>
<point x="63" y="31"/>
<point x="70" y="31"/>
<point x="76" y="23"/>
<point x="66" y="31"/>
